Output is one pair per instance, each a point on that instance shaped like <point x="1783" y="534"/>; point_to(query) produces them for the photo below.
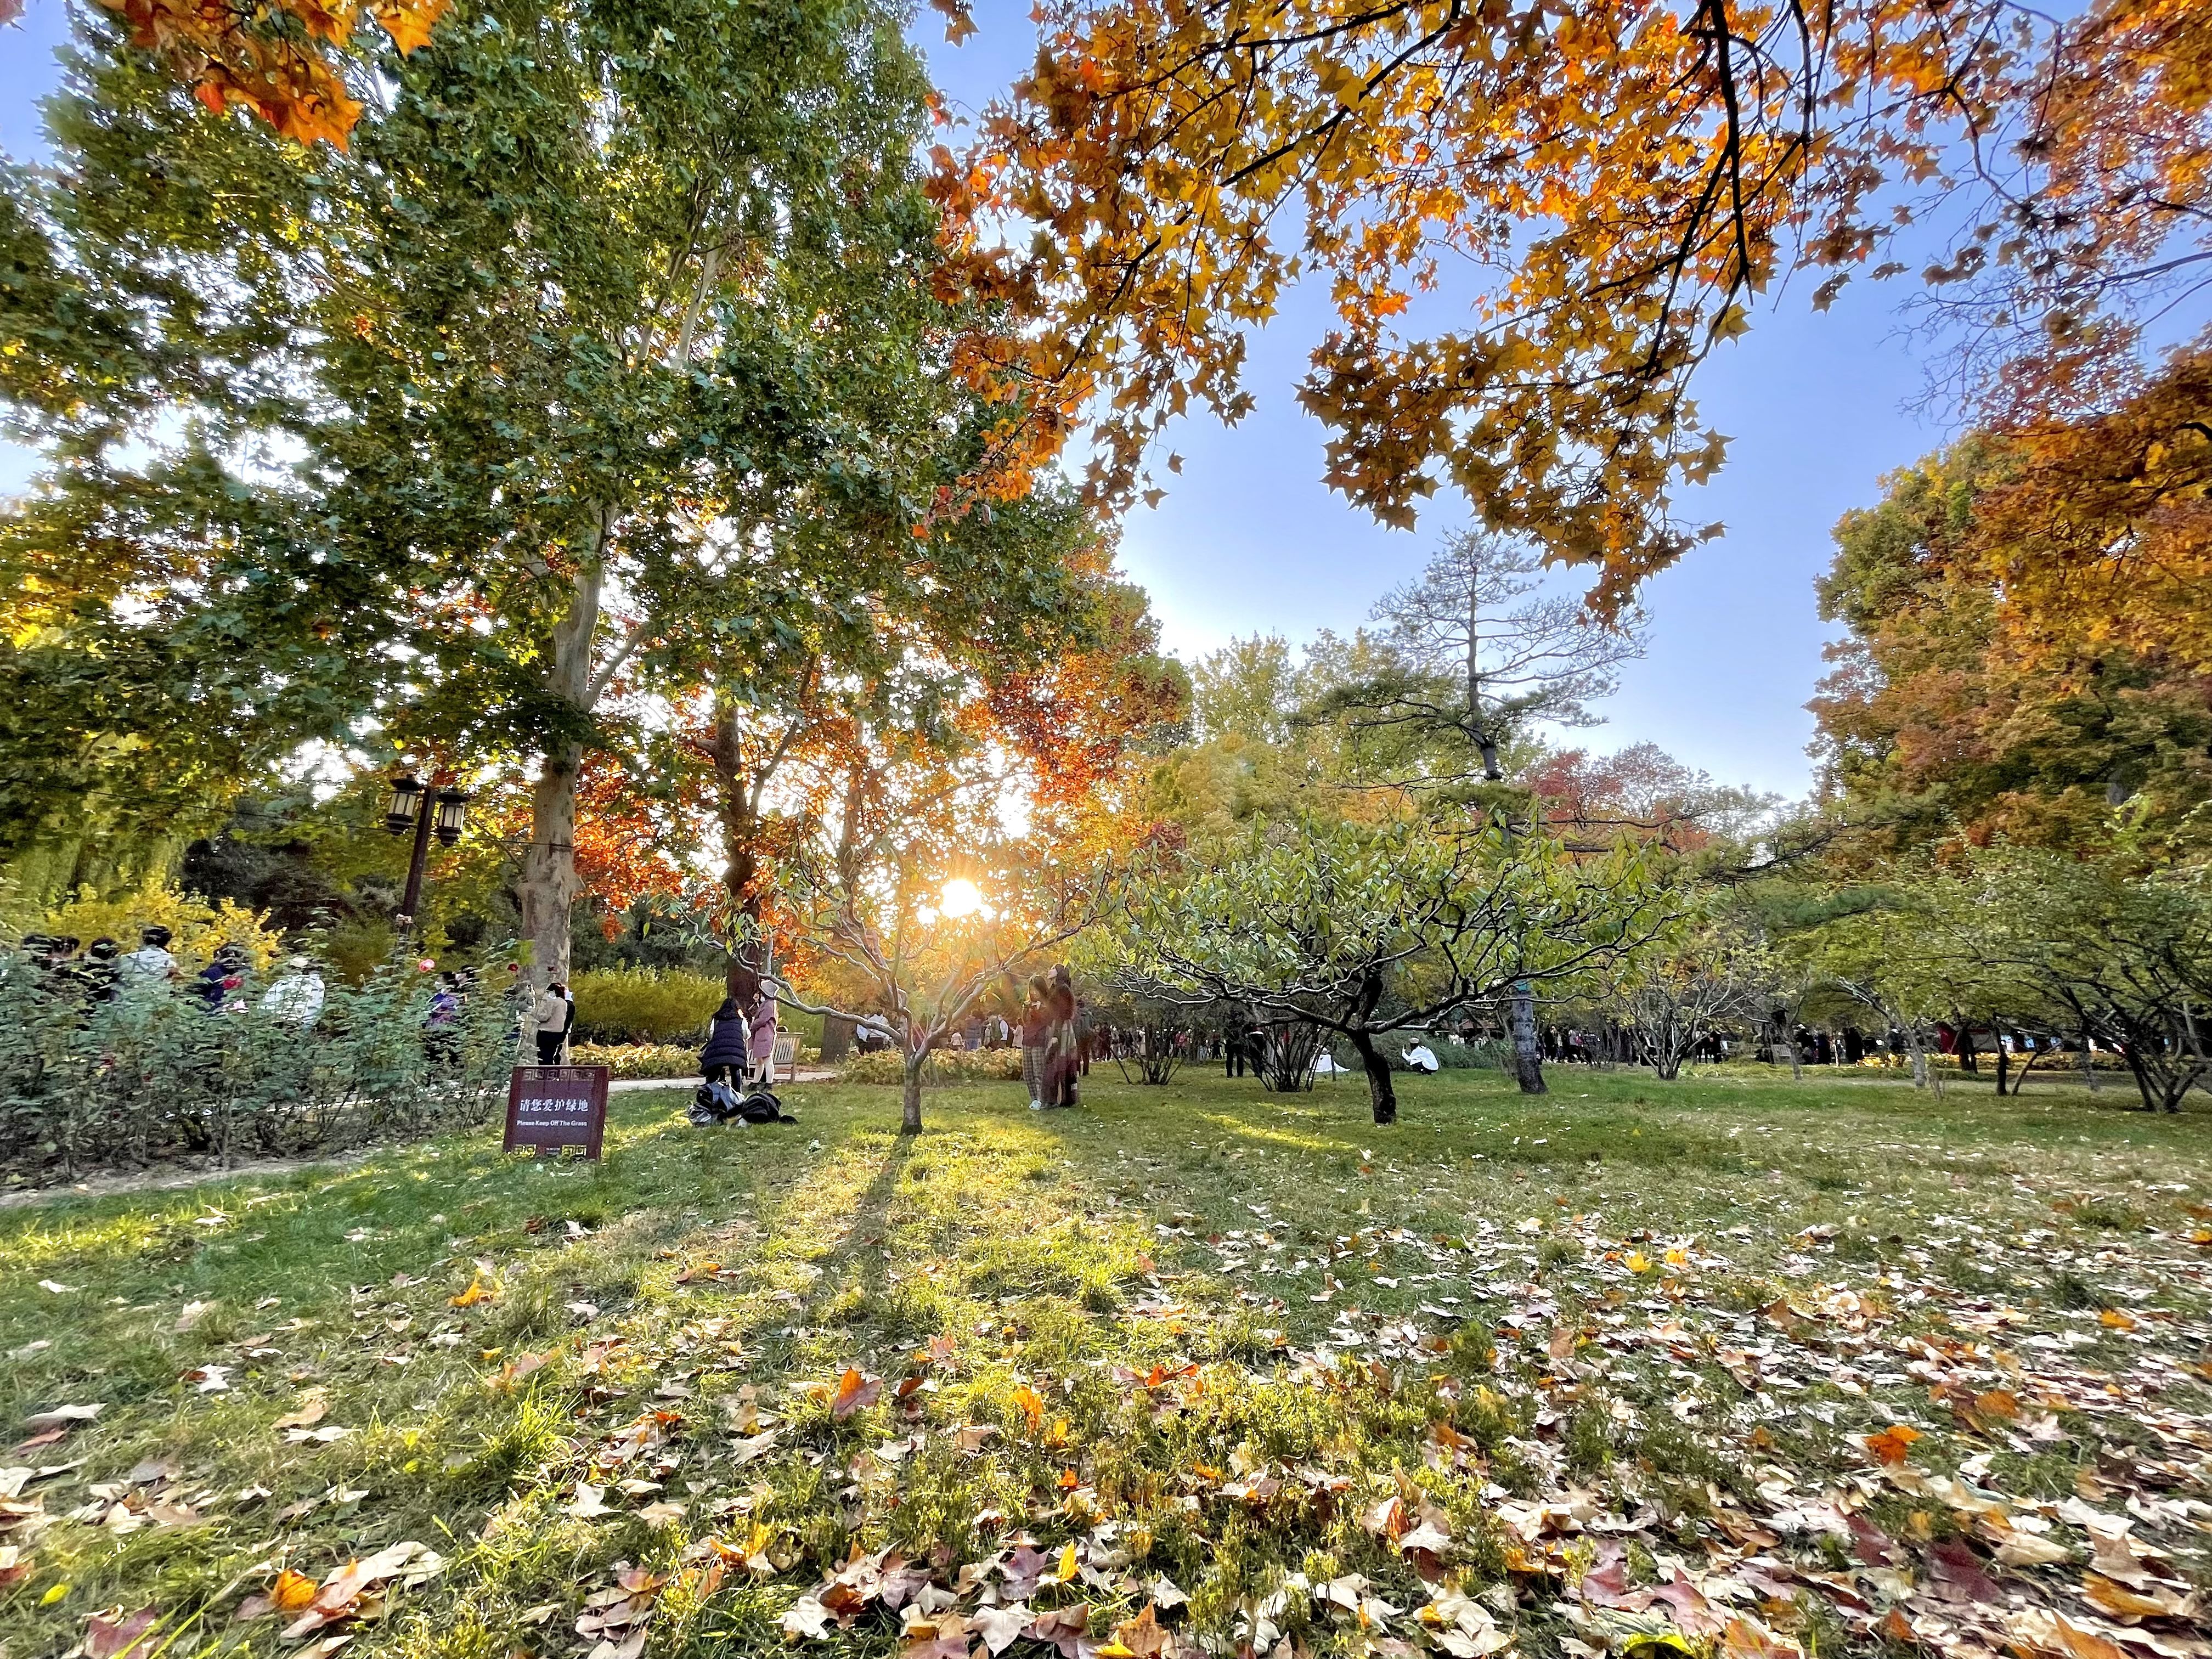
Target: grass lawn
<point x="1730" y="1364"/>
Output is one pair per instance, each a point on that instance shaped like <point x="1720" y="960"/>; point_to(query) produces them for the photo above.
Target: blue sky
<point x="1249" y="541"/>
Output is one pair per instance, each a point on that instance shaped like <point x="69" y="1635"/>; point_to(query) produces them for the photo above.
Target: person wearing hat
<point x="151" y="964"/>
<point x="296" y="997"/>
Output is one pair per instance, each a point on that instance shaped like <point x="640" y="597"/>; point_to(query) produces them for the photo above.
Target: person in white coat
<point x="296" y="995"/>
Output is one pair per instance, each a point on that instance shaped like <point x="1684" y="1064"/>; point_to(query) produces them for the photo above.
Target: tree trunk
<point x="1382" y="1093"/>
<point x="547" y="889"/>
<point x="1788" y="1031"/>
<point x="1919" y="1055"/>
<point x="2004" y="1064"/>
<point x="2089" y="1066"/>
<point x="741" y="828"/>
<point x="910" y="1099"/>
<point x="1969" y="1064"/>
<point x="1528" y="1062"/>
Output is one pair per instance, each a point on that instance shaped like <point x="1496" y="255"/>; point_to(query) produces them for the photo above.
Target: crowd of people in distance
<point x="90" y="975"/>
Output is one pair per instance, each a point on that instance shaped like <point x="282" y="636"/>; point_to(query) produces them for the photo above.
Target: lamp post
<point x="416" y="806"/>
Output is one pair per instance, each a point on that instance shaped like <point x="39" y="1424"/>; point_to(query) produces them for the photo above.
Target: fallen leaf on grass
<point x="943" y="1637"/>
<point x="358" y="1587"/>
<point x="855" y="1393"/>
<point x="478" y="1290"/>
<point x="112" y="1635"/>
<point x="745" y="1450"/>
<point x="56" y="1288"/>
<point x="289" y="1592"/>
<point x="1141" y="1637"/>
<point x="999" y="1627"/>
<point x="519" y="1367"/>
<point x="306" y="1418"/>
<point x="1892" y="1443"/>
<point x="63" y="1416"/>
<point x="588" y="1503"/>
<point x="2119" y="1601"/>
<point x="1064" y="1628"/>
<point x="808" y="1617"/>
<point x="2039" y="1630"/>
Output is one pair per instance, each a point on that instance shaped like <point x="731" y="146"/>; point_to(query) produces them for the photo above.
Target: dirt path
<point x="170" y="1177"/>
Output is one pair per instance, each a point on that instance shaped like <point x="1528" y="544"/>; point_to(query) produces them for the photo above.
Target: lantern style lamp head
<point x="453" y="807"/>
<point x="404" y="805"/>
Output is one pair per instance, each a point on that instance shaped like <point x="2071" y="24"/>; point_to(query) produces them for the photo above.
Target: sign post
<point x="552" y="1107"/>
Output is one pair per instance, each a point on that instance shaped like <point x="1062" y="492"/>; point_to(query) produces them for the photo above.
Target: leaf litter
<point x="1581" y="1436"/>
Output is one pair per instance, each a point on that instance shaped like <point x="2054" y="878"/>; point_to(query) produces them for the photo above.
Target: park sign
<point x="551" y="1107"/>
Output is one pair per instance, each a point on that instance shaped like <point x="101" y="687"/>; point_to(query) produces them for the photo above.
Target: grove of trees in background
<point x="622" y="408"/>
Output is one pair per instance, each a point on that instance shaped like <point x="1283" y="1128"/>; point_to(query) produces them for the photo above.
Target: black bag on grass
<point x="719" y="1103"/>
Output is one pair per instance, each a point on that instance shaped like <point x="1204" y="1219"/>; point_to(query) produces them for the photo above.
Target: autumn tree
<point x="1368" y="931"/>
<point x="1642" y="792"/>
<point x="586" y="308"/>
<point x="2025" y="652"/>
<point x="1605" y="193"/>
<point x="908" y="898"/>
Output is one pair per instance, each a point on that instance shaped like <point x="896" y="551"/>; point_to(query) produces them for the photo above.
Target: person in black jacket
<point x="729" y="1046"/>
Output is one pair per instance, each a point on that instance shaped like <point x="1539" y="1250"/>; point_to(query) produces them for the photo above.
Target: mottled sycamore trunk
<point x="548" y="887"/>
<point x="741" y="832"/>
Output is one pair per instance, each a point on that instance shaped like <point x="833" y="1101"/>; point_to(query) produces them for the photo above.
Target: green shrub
<point x="670" y="1060"/>
<point x="155" y="1074"/>
<point x="944" y="1065"/>
<point x="644" y="1005"/>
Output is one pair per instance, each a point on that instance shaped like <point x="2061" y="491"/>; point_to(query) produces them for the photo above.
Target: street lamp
<point x="452" y="804"/>
<point x="405" y="802"/>
<point x="411" y="806"/>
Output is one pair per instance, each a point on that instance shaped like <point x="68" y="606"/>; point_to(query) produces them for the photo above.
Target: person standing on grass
<point x="759" y="1024"/>
<point x="1063" y="1042"/>
<point x="729" y="1046"/>
<point x="554" y="1013"/>
<point x="1033" y="1040"/>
